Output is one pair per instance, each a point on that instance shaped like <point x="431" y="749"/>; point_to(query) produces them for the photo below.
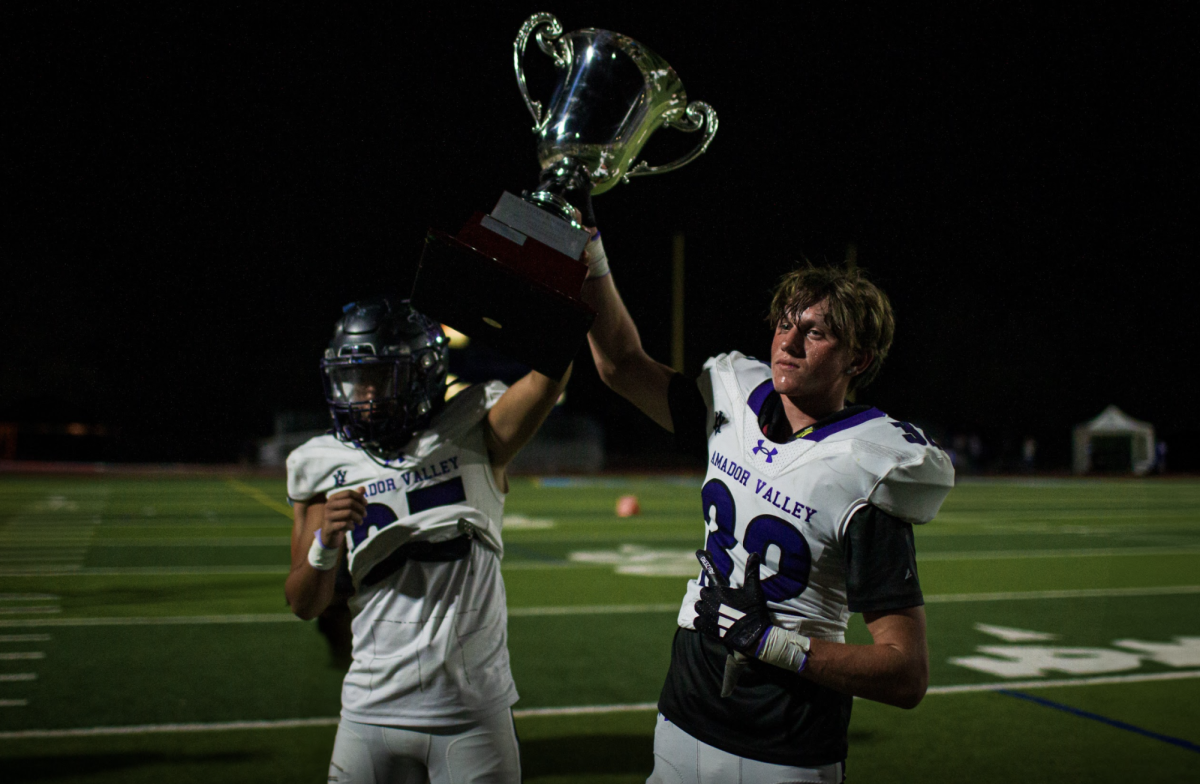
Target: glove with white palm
<point x="739" y="618"/>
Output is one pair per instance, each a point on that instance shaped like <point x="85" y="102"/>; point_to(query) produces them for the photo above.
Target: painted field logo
<point x="1035" y="661"/>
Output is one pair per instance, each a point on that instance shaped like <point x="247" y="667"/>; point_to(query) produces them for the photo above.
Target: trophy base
<point x="483" y="290"/>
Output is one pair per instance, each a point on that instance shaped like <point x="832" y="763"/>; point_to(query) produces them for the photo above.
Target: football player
<point x="808" y="506"/>
<point x="408" y="491"/>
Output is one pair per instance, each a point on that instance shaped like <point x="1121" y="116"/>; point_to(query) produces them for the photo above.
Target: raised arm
<point x="517" y="415"/>
<point x="617" y="348"/>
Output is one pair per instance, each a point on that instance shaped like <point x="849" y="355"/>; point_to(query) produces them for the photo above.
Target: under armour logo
<point x="768" y="452"/>
<point x="719" y="421"/>
<point x="339" y="477"/>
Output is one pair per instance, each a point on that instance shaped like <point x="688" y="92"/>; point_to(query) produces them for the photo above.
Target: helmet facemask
<point x="385" y="384"/>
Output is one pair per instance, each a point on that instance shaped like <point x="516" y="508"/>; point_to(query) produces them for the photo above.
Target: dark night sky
<point x="197" y="192"/>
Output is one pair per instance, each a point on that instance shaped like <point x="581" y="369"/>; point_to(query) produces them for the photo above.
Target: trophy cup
<point x="512" y="279"/>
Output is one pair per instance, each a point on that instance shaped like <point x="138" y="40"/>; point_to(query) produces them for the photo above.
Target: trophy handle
<point x="549" y="38"/>
<point x="698" y="114"/>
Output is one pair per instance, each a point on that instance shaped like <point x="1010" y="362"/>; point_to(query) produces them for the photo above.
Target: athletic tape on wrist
<point x="785" y="649"/>
<point x="597" y="258"/>
<point x="320" y="557"/>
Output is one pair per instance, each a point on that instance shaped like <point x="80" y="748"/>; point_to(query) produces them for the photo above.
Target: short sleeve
<point x="300" y="478"/>
<point x="881" y="563"/>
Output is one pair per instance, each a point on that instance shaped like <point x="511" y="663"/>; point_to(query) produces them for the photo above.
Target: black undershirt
<point x="773" y="715"/>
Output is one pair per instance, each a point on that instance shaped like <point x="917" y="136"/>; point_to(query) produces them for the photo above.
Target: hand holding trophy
<point x="512" y="279"/>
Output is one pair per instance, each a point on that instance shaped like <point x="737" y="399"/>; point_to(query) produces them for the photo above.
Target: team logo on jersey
<point x="719" y="421"/>
<point x="769" y="452"/>
<point x="339" y="477"/>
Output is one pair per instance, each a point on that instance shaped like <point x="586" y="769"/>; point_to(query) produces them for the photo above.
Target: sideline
<point x="580" y="710"/>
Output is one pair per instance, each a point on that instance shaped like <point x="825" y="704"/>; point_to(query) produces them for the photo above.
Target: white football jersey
<point x="443" y="478"/>
<point x="791" y="502"/>
<point x="430" y="640"/>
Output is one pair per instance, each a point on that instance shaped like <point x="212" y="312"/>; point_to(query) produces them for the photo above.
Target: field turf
<point x="144" y="635"/>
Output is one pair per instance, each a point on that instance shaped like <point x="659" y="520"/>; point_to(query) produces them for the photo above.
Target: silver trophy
<point x="611" y="95"/>
<point x="512" y="279"/>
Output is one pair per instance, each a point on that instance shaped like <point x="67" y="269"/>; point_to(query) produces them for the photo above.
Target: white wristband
<point x="320" y="557"/>
<point x="785" y="649"/>
<point x="597" y="258"/>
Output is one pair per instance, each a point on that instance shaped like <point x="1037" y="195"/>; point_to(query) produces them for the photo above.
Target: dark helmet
<point x="384" y="373"/>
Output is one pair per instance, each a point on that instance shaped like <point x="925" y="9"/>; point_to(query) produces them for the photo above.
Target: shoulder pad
<point x="310" y="464"/>
<point x="463" y="412"/>
<point x="915" y="487"/>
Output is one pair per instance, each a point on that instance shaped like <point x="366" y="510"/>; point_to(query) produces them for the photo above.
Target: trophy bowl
<point x="611" y="94"/>
<point x="512" y="279"/>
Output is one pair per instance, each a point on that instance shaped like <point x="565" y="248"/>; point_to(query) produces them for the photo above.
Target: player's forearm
<point x="309" y="591"/>
<point x="883" y="673"/>
<point x="617" y="350"/>
<point x="614" y="337"/>
<point x="519" y="413"/>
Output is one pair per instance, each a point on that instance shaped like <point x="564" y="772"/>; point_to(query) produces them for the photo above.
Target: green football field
<point x="144" y="635"/>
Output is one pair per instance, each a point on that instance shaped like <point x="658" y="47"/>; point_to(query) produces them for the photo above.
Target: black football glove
<point x="737" y="617"/>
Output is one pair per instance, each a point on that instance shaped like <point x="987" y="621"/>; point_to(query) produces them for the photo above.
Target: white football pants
<point x="478" y="753"/>
<point x="681" y="759"/>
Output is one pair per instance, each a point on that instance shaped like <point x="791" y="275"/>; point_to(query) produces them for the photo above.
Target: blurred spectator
<point x="1029" y="454"/>
<point x="975" y="451"/>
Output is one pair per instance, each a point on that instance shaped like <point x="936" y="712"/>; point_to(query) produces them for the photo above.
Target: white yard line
<point x="52" y="533"/>
<point x="146" y="729"/>
<point x="139" y="571"/>
<point x="198" y="541"/>
<point x="591" y="609"/>
<point x="588" y="609"/>
<point x="584" y="710"/>
<point x="22" y="656"/>
<point x="67" y="570"/>
<point x="1080" y="593"/>
<point x="18" y="677"/>
<point x="24" y="638"/>
<point x="13" y="703"/>
<point x="577" y="710"/>
<point x="178" y="620"/>
<point x="1088" y="552"/>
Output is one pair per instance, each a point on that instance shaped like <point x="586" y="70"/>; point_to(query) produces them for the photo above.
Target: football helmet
<point x="384" y="373"/>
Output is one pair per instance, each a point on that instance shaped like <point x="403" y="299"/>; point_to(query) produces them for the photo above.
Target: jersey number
<point x="380" y="516"/>
<point x="913" y="435"/>
<point x="795" y="557"/>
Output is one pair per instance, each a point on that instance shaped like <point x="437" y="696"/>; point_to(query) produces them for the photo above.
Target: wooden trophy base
<point x="507" y="290"/>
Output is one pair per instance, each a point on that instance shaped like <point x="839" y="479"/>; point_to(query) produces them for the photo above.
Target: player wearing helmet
<point x="407" y="492"/>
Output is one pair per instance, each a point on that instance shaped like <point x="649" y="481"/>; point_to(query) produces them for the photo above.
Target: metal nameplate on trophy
<point x="512" y="279"/>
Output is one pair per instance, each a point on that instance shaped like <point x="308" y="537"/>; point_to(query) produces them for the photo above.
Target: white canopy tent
<point x="1114" y="441"/>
